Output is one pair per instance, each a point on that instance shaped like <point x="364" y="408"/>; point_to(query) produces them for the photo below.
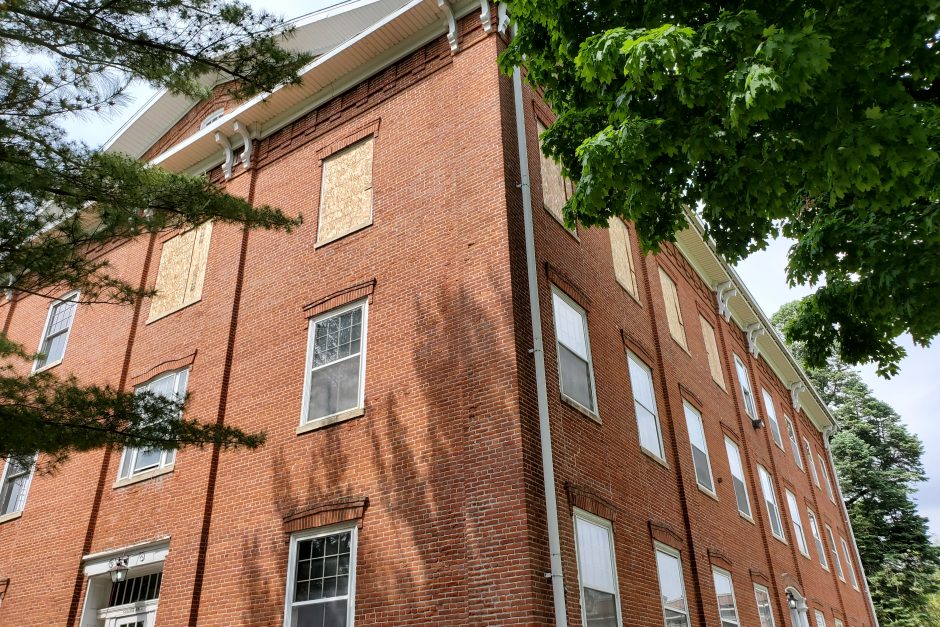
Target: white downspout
<point x="541" y="388"/>
<point x="827" y="433"/>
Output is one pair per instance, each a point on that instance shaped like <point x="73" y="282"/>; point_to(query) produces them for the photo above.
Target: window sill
<point x="567" y="400"/>
<point x="49" y="366"/>
<point x="355" y="229"/>
<point x="144" y="476"/>
<point x="10" y="516"/>
<point x="746" y="517"/>
<point x="320" y="423"/>
<point x="629" y="292"/>
<point x="573" y="233"/>
<point x="779" y="539"/>
<point x="652" y="455"/>
<point x="707" y="492"/>
<point x="172" y="311"/>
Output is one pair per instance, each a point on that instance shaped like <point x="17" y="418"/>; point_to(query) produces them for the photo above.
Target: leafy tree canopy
<point x="879" y="464"/>
<point x="62" y="204"/>
<point x="815" y="120"/>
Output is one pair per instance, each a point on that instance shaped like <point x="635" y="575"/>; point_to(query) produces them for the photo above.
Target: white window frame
<point x="633" y="360"/>
<point x="811" y="463"/>
<point x="212" y="117"/>
<point x="770" y="499"/>
<point x="839" y="623"/>
<point x="671" y="552"/>
<point x="744" y="385"/>
<point x="167" y="459"/>
<point x="71" y="296"/>
<point x="692" y="414"/>
<point x="831" y="541"/>
<point x="796" y="519"/>
<point x="817" y="538"/>
<point x="820" y="619"/>
<point x="578" y="309"/>
<point x="729" y="445"/>
<point x="825" y="474"/>
<point x="771" y="410"/>
<point x="305" y="422"/>
<point x="763" y="590"/>
<point x="20" y="505"/>
<point x="606" y="524"/>
<point x="848" y="562"/>
<point x="794" y="443"/>
<point x="720" y="572"/>
<point x="319" y="532"/>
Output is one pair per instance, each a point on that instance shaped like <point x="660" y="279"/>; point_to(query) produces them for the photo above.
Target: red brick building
<point x="413" y="418"/>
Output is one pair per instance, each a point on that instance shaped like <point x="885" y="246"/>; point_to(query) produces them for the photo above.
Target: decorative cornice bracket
<point x="223" y="141"/>
<point x="248" y="136"/>
<point x="795" y="390"/>
<point x="486" y="17"/>
<point x="502" y="18"/>
<point x="451" y="24"/>
<point x="723" y="293"/>
<point x="754" y="331"/>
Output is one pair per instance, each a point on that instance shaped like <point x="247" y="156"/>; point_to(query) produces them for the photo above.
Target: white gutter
<point x="830" y="431"/>
<point x="541" y="388"/>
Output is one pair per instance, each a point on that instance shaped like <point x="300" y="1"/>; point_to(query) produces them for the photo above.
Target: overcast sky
<point x="910" y="393"/>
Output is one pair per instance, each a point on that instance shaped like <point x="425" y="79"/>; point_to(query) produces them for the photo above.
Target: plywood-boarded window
<point x="346" y="191"/>
<point x="182" y="271"/>
<point x="673" y="313"/>
<point x="711" y="349"/>
<point x="622" y="251"/>
<point x="556" y="189"/>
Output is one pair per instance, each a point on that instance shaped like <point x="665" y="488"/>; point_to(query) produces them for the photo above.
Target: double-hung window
<point x="724" y="590"/>
<point x="764" y="610"/>
<point x="770" y="499"/>
<point x="575" y="373"/>
<point x="794" y="445"/>
<point x="703" y="469"/>
<point x="321" y="578"/>
<point x="138" y="460"/>
<point x="336" y="348"/>
<point x="835" y="553"/>
<point x="825" y="474"/>
<point x="809" y="462"/>
<point x="644" y="404"/>
<point x="772" y="417"/>
<point x="14" y="485"/>
<point x="737" y="477"/>
<point x="597" y="571"/>
<point x="671" y="587"/>
<point x="848" y="562"/>
<point x="745" y="382"/>
<point x="794" y="510"/>
<point x="55" y="334"/>
<point x="817" y="539"/>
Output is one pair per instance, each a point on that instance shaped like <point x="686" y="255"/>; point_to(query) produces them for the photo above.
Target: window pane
<point x="809" y="461"/>
<point x="671" y="589"/>
<point x="569" y="327"/>
<point x="764" y="611"/>
<point x="575" y="377"/>
<point x="770" y="498"/>
<point x="648" y="425"/>
<point x="703" y="472"/>
<point x="724" y="591"/>
<point x="794" y="510"/>
<point x="600" y="608"/>
<point x="334" y="388"/>
<point x="54" y="349"/>
<point x="772" y="416"/>
<point x="745" y="383"/>
<point x="737" y="476"/>
<point x="791" y="433"/>
<point x="147" y="458"/>
<point x="595" y="561"/>
<point x="817" y="539"/>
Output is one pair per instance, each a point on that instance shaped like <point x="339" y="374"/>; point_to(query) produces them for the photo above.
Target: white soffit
<point x="745" y="311"/>
<point x="317" y="33"/>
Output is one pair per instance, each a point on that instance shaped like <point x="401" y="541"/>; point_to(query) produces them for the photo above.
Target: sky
<point x="764" y="273"/>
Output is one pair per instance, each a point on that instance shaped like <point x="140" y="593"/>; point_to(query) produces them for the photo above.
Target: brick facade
<point x="441" y="474"/>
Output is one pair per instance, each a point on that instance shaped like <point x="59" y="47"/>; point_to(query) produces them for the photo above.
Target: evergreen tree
<point x="62" y="203"/>
<point x="879" y="463"/>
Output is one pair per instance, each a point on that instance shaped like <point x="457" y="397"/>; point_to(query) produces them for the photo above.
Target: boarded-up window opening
<point x="346" y="191"/>
<point x="556" y="189"/>
<point x="711" y="349"/>
<point x="673" y="313"/>
<point x="622" y="251"/>
<point x="182" y="271"/>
